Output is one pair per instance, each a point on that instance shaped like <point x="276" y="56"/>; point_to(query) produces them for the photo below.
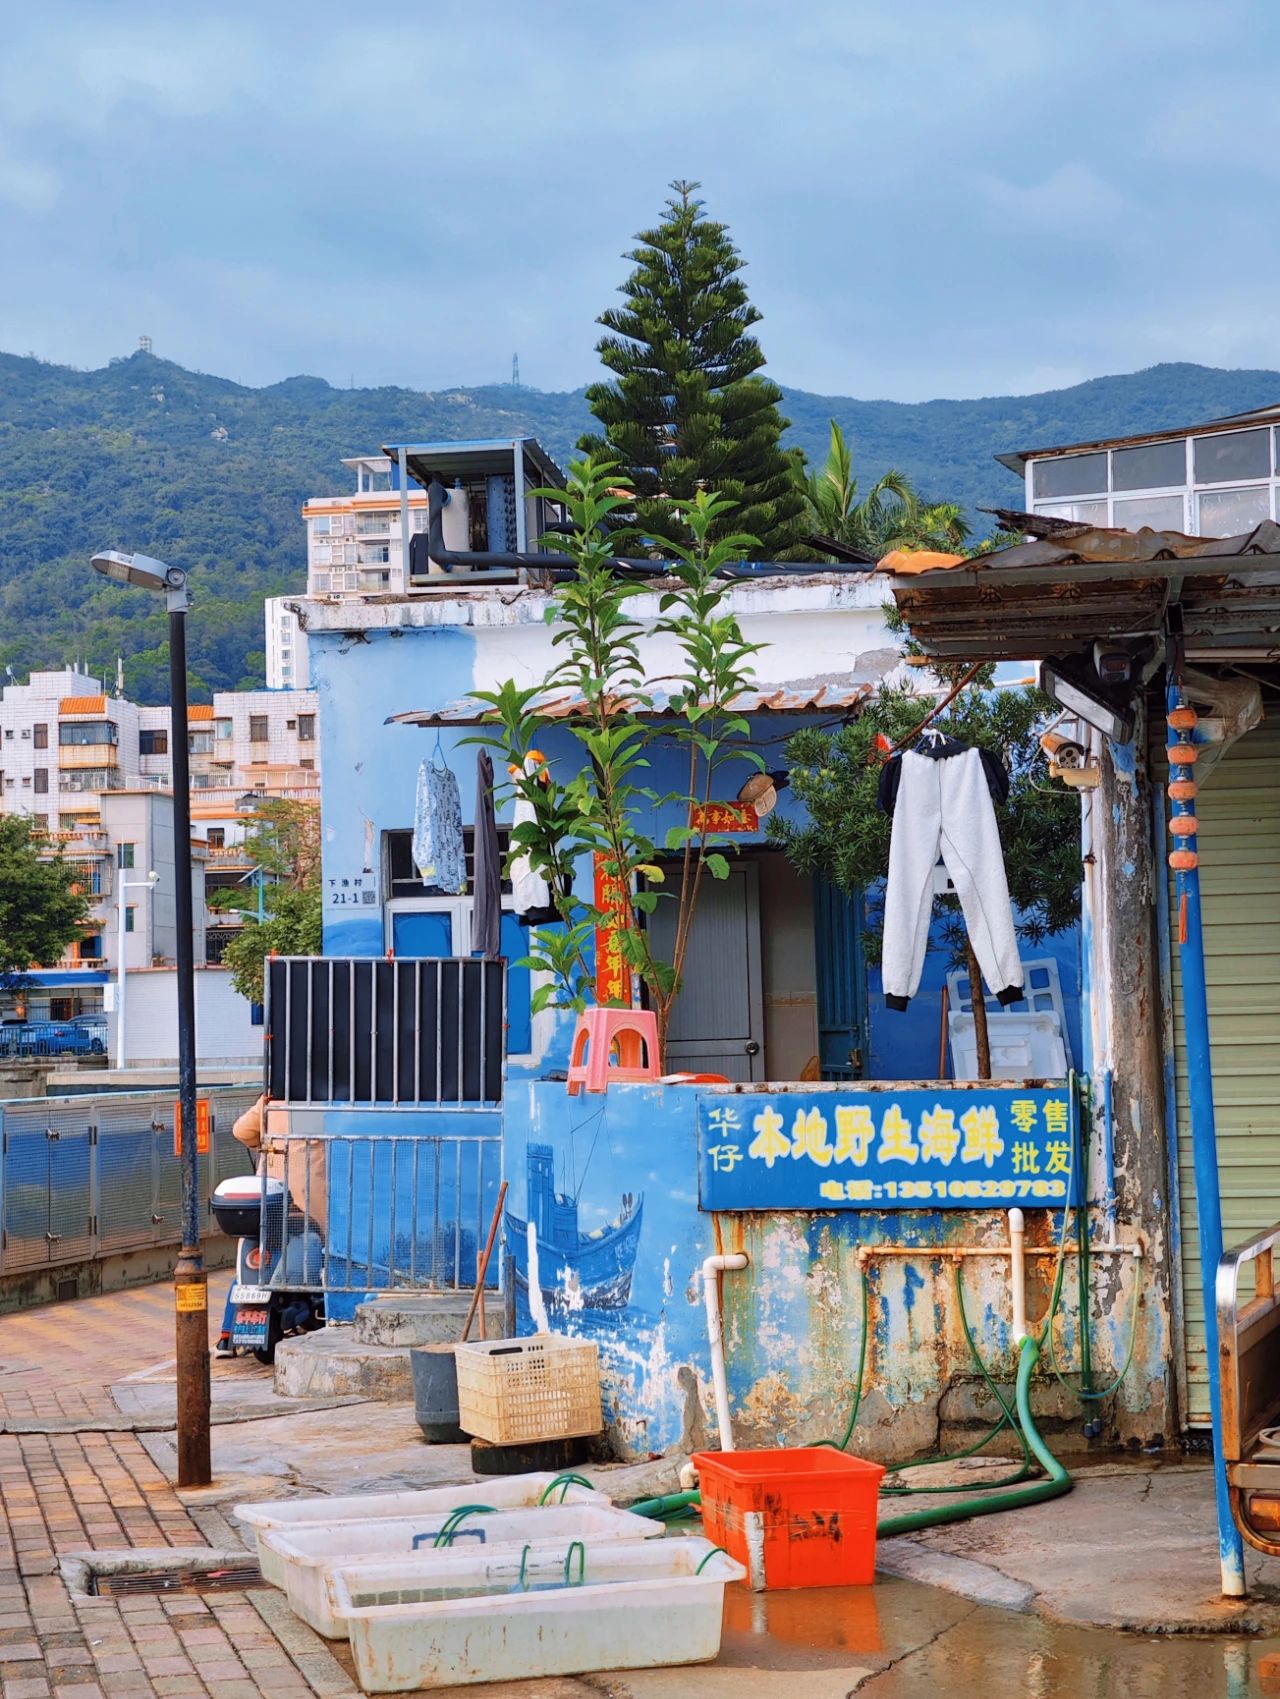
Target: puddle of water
<point x="827" y="1628"/>
<point x="949" y="1647"/>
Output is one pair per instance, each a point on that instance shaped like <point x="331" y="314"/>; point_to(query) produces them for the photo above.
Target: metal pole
<point x="120" y="972"/>
<point x="1185" y="861"/>
<point x="191" y="1292"/>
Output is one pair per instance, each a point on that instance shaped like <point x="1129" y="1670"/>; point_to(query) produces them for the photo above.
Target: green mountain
<point x="210" y="475"/>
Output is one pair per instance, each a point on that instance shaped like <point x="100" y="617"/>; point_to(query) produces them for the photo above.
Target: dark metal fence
<point x="85" y="1177"/>
<point x="426" y="1031"/>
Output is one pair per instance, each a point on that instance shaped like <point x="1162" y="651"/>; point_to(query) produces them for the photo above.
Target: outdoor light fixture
<point x="1072" y="682"/>
<point x="141" y="572"/>
<point x="191" y="1287"/>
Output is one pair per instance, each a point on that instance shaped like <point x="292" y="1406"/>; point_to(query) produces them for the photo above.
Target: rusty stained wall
<point x="793" y="1331"/>
<point x="793" y="1317"/>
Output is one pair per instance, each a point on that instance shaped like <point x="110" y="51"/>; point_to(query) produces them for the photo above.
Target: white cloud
<point x="28" y="185"/>
<point x="1071" y="201"/>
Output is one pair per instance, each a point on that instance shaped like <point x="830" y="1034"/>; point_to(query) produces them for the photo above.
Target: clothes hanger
<point x="438" y="750"/>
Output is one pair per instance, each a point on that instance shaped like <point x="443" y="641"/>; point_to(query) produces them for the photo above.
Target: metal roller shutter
<point x="1239" y="840"/>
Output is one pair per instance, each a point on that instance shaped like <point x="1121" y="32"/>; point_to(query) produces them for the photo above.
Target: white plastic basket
<point x="512" y="1492"/>
<point x="450" y="1620"/>
<point x="309" y="1556"/>
<point x="512" y="1391"/>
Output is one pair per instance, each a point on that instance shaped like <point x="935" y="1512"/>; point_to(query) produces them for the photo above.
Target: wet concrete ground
<point x="1132" y="1545"/>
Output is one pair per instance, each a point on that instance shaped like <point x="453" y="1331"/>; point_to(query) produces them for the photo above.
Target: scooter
<point x="272" y="1266"/>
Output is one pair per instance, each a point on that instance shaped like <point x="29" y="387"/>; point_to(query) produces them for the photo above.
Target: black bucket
<point x="435" y="1394"/>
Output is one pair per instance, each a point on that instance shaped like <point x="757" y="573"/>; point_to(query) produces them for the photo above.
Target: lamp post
<point x="146" y="884"/>
<point x="191" y="1291"/>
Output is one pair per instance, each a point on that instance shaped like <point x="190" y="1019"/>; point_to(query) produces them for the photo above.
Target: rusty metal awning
<point x="1078" y="586"/>
<point x="839" y="693"/>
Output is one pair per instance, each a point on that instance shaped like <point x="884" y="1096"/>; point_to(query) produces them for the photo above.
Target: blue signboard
<point x="915" y="1149"/>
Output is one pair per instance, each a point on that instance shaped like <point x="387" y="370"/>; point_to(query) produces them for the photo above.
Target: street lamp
<point x="146" y="884"/>
<point x="191" y="1290"/>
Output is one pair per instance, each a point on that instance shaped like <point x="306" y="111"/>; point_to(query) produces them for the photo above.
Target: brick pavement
<point x="60" y="1359"/>
<point x="64" y="1491"/>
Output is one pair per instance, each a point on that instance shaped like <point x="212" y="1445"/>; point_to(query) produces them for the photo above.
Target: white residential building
<point x="288" y="663"/>
<point x="93" y="773"/>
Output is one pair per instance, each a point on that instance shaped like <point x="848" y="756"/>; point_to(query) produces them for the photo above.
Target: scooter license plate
<point x="250" y="1327"/>
<point x="254" y="1296"/>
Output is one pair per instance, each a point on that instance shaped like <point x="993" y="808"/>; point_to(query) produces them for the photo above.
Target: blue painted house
<point x="612" y="1206"/>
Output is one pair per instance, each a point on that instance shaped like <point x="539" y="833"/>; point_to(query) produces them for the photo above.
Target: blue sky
<point x="935" y="197"/>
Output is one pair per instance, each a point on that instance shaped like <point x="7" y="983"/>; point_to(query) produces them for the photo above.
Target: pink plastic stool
<point x="634" y="1035"/>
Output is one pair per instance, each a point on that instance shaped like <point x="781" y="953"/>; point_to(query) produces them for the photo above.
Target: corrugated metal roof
<point x="1078" y="545"/>
<point x="1061" y="593"/>
<point x="838" y="693"/>
<point x="200" y="711"/>
<point x="83" y="705"/>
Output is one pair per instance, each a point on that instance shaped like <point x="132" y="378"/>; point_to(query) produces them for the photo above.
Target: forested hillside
<point x="211" y="475"/>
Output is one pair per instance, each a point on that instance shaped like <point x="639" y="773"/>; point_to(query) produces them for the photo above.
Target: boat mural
<point x="575" y="1270"/>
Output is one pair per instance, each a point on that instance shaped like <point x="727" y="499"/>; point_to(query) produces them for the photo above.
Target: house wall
<point x="793" y="1325"/>
<point x="224" y="1030"/>
<point x="792" y="1319"/>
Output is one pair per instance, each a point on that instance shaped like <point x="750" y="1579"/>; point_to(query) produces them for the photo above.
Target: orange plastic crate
<point x="801" y="1518"/>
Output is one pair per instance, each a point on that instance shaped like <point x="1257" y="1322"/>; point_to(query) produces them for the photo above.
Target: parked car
<point x="49" y="1038"/>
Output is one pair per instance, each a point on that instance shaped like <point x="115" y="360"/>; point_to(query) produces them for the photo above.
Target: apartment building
<point x="93" y="773"/>
<point x="64" y="743"/>
<point x="288" y="659"/>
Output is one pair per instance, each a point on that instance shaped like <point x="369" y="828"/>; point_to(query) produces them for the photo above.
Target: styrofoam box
<point x="452" y="1618"/>
<point x="514" y="1492"/>
<point x="310" y="1555"/>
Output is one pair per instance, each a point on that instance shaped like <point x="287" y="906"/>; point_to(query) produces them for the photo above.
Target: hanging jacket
<point x="438" y="850"/>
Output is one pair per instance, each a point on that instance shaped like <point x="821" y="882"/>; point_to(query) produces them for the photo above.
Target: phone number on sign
<point x="872" y="1191"/>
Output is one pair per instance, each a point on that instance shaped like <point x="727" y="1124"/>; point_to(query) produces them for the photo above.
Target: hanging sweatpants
<point x="946" y="805"/>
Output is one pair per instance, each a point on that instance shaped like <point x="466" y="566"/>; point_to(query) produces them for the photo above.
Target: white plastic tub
<point x="448" y="1619"/>
<point x="309" y="1556"/>
<point x="514" y="1492"/>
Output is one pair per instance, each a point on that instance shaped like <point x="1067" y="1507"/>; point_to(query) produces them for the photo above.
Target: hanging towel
<point x="530" y="892"/>
<point x="941" y="800"/>
<point x="486" y="913"/>
<point x="438" y="851"/>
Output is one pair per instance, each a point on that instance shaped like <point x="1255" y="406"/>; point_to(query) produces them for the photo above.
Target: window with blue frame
<point x="441" y="926"/>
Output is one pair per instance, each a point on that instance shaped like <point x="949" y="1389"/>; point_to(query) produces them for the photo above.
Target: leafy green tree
<point x="836" y="775"/>
<point x="292" y="927"/>
<point x="43" y="906"/>
<point x="603" y="806"/>
<point x="891" y="515"/>
<point x="284" y="843"/>
<point x="688" y="411"/>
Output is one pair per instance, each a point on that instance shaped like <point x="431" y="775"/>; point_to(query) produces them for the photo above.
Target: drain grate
<point x="231" y="1579"/>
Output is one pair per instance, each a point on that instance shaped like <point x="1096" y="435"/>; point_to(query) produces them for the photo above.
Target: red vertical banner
<point x="613" y="975"/>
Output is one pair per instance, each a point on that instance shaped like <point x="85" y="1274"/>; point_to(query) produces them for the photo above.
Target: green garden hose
<point x="1057" y="1481"/>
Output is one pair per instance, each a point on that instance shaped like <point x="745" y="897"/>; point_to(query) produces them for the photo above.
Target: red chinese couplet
<point x="613" y="975"/>
<point x="724" y="817"/>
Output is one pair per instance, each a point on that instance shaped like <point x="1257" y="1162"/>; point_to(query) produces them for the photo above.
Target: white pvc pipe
<point x="1018" y="1275"/>
<point x="712" y="1268"/>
